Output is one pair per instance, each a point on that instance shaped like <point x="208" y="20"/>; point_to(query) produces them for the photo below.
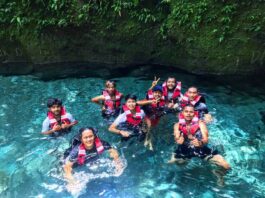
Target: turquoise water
<point x="30" y="162"/>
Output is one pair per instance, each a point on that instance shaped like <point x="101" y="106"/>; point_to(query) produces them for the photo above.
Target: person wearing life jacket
<point x="110" y="100"/>
<point x="154" y="105"/>
<point x="131" y="123"/>
<point x="172" y="93"/>
<point x="87" y="149"/>
<point x="58" y="121"/>
<point x="191" y="135"/>
<point x="192" y="97"/>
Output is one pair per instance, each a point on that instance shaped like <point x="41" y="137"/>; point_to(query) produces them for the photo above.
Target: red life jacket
<point x="82" y="151"/>
<point x="109" y="103"/>
<point x="64" y="118"/>
<point x="176" y="92"/>
<point x="151" y="97"/>
<point x="135" y="121"/>
<point x="194" y="124"/>
<point x="185" y="100"/>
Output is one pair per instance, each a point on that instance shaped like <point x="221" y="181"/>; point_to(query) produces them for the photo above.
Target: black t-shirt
<point x="91" y="155"/>
<point x="201" y="107"/>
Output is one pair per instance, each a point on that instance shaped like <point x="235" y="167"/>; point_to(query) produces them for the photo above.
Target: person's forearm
<point x="204" y="141"/>
<point x="98" y="100"/>
<point x="178" y="140"/>
<point x="144" y="102"/>
<point x="48" y="132"/>
<point x="68" y="171"/>
<point x="152" y="86"/>
<point x="98" y="103"/>
<point x="72" y="124"/>
<point x="114" y="130"/>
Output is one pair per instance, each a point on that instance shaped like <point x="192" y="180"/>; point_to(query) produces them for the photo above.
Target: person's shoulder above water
<point x="57" y="120"/>
<point x="70" y="117"/>
<point x="45" y="125"/>
<point x="120" y="119"/>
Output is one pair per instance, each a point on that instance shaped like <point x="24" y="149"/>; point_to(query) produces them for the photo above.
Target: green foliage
<point x="170" y="16"/>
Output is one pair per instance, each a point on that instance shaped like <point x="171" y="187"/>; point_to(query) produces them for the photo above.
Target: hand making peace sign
<point x="154" y="83"/>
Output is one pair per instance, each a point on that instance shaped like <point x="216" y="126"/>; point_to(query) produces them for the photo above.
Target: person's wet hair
<point x="189" y="105"/>
<point x="130" y="96"/>
<point x="54" y="101"/>
<point x="171" y="77"/>
<point x="108" y="82"/>
<point x="94" y="130"/>
<point x="193" y="87"/>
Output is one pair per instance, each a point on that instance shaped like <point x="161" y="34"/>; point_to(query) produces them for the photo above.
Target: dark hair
<point x="110" y="82"/>
<point x="54" y="101"/>
<point x="171" y="77"/>
<point x="130" y="96"/>
<point x="94" y="130"/>
<point x="189" y="105"/>
<point x="194" y="88"/>
<point x="158" y="88"/>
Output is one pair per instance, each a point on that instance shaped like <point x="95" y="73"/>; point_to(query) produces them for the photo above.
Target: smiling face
<point x="157" y="94"/>
<point x="171" y="83"/>
<point x="131" y="104"/>
<point x="192" y="93"/>
<point x="88" y="138"/>
<point x="55" y="109"/>
<point x="188" y="113"/>
<point x="110" y="87"/>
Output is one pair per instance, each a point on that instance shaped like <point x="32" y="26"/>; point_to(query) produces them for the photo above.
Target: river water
<point x="30" y="162"/>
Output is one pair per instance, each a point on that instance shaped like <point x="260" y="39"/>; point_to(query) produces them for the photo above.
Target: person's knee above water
<point x="88" y="149"/>
<point x="132" y="119"/>
<point x="191" y="135"/>
<point x="58" y="121"/>
<point x="154" y="105"/>
<point x="194" y="98"/>
<point x="110" y="100"/>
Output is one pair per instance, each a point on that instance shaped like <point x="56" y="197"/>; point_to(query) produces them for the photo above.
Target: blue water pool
<point x="30" y="162"/>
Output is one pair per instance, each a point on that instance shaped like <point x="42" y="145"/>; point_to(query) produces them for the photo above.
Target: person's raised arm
<point x="98" y="99"/>
<point x="154" y="83"/>
<point x="144" y="102"/>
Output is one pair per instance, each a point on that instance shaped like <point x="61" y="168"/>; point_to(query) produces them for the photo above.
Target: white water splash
<point x="82" y="178"/>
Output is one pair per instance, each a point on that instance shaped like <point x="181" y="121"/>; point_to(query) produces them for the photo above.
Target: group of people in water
<point x="135" y="120"/>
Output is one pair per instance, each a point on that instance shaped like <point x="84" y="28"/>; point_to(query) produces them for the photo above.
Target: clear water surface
<point x="30" y="162"/>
